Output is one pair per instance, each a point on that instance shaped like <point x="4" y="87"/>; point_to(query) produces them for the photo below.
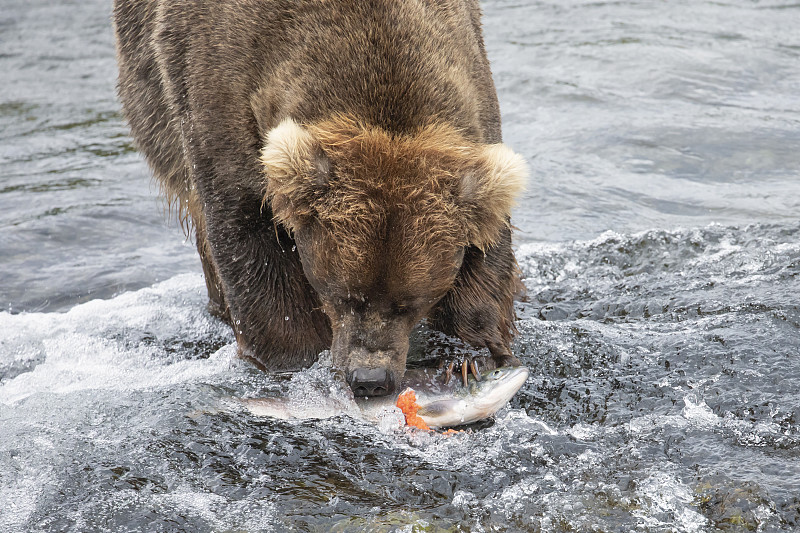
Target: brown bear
<point x="342" y="166"/>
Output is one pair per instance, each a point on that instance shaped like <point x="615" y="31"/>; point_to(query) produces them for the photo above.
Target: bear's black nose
<point x="370" y="382"/>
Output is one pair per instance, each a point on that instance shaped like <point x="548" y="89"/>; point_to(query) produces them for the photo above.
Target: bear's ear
<point x="296" y="170"/>
<point x="488" y="191"/>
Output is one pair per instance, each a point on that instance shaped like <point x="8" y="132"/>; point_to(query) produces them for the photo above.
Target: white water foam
<point x="668" y="503"/>
<point x="120" y="344"/>
<point x="221" y="513"/>
<point x="112" y="344"/>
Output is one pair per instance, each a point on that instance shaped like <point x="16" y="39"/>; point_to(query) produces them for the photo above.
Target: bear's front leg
<point x="480" y="307"/>
<point x="274" y="312"/>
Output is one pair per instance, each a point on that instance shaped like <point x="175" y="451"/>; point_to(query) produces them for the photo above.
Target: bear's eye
<point x="355" y="305"/>
<point x="400" y="310"/>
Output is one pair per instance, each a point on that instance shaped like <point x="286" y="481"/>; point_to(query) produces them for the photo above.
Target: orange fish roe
<point x="407" y="402"/>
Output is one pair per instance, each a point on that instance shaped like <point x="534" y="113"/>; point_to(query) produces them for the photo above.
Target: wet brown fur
<point x="400" y="114"/>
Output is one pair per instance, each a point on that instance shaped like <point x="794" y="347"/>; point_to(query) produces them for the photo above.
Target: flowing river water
<point x="659" y="240"/>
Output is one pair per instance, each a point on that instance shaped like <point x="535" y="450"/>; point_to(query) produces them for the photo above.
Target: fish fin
<point x="438" y="408"/>
<point x="269" y="407"/>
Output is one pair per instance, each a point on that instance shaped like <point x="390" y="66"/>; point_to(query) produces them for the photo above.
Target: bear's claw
<point x="473" y="366"/>
<point x="467" y="365"/>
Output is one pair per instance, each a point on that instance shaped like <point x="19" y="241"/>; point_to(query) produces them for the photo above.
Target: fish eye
<point x="496" y="373"/>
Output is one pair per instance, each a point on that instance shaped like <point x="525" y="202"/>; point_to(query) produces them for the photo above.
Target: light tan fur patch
<point x="457" y="186"/>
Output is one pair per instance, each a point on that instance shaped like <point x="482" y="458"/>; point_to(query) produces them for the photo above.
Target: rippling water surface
<point x="659" y="241"/>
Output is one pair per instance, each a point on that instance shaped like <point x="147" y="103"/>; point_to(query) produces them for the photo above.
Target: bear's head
<point x="381" y="222"/>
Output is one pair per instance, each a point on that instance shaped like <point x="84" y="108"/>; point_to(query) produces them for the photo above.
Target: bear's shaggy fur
<point x="341" y="164"/>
